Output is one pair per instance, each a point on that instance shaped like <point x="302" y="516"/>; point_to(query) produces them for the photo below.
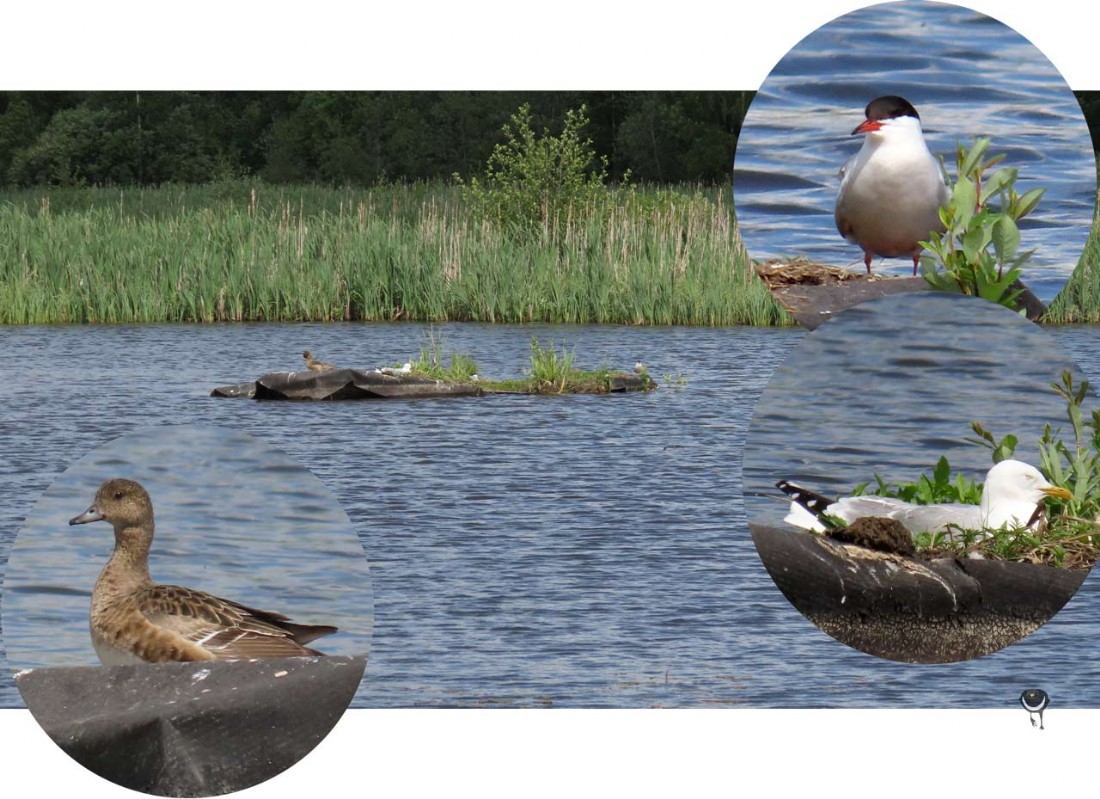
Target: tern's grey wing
<point x="840" y="214"/>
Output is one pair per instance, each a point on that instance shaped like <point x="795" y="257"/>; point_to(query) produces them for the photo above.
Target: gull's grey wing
<point x="916" y="518"/>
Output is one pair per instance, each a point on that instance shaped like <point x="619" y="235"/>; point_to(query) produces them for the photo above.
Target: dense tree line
<point x="149" y="138"/>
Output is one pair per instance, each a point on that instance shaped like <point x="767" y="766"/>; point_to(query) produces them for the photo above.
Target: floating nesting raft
<point x="192" y="729"/>
<point x="909" y="609"/>
<point x="356" y="384"/>
<point x="813" y="293"/>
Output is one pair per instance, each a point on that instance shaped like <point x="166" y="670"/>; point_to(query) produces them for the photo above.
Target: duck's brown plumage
<point x="316" y="366"/>
<point x="133" y="618"/>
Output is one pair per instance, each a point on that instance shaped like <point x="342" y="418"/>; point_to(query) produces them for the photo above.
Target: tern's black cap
<point x="890" y="106"/>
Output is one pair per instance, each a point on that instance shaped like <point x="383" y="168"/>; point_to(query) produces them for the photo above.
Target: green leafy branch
<point x="979" y="249"/>
<point x="940" y="487"/>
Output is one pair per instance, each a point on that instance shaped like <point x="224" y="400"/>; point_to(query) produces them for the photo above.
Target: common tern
<point x="892" y="190"/>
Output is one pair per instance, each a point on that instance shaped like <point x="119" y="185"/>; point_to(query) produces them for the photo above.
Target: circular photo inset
<point x="187" y="610"/>
<point x="922" y="478"/>
<point x="914" y="145"/>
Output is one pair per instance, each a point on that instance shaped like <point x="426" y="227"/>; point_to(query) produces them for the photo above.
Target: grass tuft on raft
<point x="549" y="371"/>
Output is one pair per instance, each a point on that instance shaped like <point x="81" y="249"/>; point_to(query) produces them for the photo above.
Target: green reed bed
<point x="1079" y="300"/>
<point x="236" y="252"/>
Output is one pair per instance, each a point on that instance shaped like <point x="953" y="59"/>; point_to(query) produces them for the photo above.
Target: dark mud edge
<point x="907" y="609"/>
<point x="812" y="305"/>
<point x="192" y="729"/>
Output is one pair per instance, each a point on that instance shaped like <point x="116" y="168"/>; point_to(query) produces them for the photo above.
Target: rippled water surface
<point x="891" y="385"/>
<point x="967" y="75"/>
<point x="557" y="551"/>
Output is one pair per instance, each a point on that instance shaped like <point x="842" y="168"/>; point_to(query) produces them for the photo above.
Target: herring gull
<point x="1010" y="498"/>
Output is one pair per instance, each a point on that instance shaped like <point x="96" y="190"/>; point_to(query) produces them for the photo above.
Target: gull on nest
<point x="405" y="369"/>
<point x="1010" y="498"/>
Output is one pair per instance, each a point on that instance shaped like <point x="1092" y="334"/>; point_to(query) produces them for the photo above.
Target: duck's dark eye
<point x="118" y="495"/>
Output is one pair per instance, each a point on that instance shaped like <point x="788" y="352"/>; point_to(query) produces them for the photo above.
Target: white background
<point x="510" y="44"/>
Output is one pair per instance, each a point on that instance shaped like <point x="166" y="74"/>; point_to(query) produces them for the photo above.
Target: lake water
<point x="832" y="417"/>
<point x="967" y="75"/>
<point x="554" y="551"/>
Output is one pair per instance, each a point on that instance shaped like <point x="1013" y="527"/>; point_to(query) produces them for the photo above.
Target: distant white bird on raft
<point x="1010" y="498"/>
<point x="892" y="190"/>
<point x="639" y="368"/>
<point x="405" y="369"/>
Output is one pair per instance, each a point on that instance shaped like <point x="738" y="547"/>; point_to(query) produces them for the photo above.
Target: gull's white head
<point x="1012" y="491"/>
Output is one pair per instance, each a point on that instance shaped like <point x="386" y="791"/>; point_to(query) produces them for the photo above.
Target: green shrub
<point x="546" y="181"/>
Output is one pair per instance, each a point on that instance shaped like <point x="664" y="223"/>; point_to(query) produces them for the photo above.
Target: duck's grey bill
<point x="90" y="515"/>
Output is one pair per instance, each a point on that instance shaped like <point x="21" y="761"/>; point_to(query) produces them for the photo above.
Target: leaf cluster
<point x="938" y="488"/>
<point x="550" y="370"/>
<point x="431" y="362"/>
<point x="979" y="250"/>
<point x="1075" y="465"/>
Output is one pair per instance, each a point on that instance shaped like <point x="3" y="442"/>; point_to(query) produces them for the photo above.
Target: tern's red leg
<point x="916" y="260"/>
<point x="867" y="260"/>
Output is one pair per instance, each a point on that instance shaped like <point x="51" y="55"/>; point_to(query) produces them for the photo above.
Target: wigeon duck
<point x="134" y="620"/>
<point x="316" y="366"/>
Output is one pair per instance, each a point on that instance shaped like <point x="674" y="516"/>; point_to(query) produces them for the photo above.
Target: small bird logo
<point x="1035" y="701"/>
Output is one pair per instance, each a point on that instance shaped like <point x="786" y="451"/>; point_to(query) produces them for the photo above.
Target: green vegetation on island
<point x="549" y="371"/>
<point x="1079" y="301"/>
<point x="1071" y="536"/>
